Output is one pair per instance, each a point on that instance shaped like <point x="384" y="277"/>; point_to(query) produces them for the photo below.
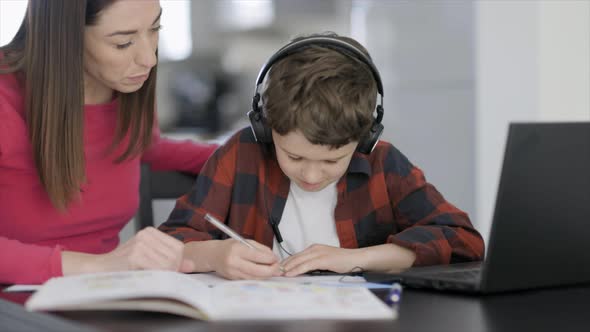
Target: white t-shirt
<point x="308" y="218"/>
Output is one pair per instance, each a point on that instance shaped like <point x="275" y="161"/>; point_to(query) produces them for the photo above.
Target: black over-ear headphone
<point x="262" y="132"/>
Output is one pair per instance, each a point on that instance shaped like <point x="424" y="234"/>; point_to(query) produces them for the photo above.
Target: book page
<point x="67" y="293"/>
<point x="174" y="292"/>
<point x="271" y="300"/>
<point x="213" y="279"/>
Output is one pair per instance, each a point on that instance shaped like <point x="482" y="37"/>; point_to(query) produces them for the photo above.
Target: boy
<point x="312" y="171"/>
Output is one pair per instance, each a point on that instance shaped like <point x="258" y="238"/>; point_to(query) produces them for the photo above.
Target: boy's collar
<point x="360" y="164"/>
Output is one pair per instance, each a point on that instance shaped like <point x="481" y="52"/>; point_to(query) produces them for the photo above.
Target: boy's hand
<point x="322" y="257"/>
<point x="234" y="260"/>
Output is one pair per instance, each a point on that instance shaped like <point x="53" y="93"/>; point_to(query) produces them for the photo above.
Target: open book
<point x="177" y="293"/>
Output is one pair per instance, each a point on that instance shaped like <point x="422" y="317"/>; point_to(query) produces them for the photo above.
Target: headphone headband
<point x="340" y="45"/>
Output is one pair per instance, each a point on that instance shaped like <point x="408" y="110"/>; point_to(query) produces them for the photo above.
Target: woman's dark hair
<point x="46" y="54"/>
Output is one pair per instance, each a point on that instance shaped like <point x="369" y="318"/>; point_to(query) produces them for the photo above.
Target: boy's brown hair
<point x="326" y="94"/>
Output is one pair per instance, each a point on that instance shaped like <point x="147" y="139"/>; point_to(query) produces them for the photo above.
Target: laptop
<point x="540" y="233"/>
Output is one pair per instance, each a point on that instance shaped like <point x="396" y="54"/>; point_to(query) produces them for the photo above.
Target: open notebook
<point x="176" y="293"/>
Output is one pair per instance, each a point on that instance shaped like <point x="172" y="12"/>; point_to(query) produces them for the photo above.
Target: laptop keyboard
<point x="463" y="275"/>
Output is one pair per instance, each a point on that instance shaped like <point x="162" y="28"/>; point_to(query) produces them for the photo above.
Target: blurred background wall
<point x="455" y="73"/>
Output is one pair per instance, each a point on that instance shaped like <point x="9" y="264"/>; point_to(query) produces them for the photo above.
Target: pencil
<point x="228" y="231"/>
<point x="222" y="227"/>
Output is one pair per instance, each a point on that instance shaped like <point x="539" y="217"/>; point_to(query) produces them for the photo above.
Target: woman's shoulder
<point x="11" y="93"/>
<point x="11" y="82"/>
<point x="12" y="119"/>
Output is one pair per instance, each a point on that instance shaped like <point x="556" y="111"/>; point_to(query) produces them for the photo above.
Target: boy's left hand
<point x="322" y="257"/>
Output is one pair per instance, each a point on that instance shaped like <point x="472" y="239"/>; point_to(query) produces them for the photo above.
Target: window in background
<point x="175" y="36"/>
<point x="11" y="16"/>
<point x="245" y="15"/>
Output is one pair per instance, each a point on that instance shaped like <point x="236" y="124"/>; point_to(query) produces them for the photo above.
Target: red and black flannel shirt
<point x="382" y="198"/>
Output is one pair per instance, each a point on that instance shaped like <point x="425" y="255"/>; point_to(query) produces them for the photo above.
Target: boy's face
<point x="312" y="167"/>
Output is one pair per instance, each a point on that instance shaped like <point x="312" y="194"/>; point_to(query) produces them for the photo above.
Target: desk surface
<point x="539" y="310"/>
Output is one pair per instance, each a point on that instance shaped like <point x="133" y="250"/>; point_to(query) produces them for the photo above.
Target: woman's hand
<point x="148" y="249"/>
<point x="233" y="260"/>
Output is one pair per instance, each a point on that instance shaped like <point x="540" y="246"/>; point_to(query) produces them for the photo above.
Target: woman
<point x="76" y="119"/>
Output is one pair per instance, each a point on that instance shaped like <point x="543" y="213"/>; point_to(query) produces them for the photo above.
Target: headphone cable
<point x="274" y="225"/>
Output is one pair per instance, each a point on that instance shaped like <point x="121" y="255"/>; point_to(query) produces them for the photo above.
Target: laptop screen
<point x="541" y="225"/>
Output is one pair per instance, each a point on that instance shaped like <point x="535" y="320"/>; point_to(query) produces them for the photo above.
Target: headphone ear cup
<point x="261" y="131"/>
<point x="367" y="145"/>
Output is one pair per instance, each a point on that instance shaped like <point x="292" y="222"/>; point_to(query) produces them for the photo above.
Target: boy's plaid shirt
<point x="382" y="198"/>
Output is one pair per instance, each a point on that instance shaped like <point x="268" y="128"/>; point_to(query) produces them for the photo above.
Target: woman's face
<point x="120" y="49"/>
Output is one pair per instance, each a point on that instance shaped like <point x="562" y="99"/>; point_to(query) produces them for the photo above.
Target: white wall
<point x="424" y="52"/>
<point x="532" y="64"/>
<point x="564" y="60"/>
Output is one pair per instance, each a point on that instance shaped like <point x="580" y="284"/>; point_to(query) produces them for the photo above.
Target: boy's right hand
<point x="234" y="260"/>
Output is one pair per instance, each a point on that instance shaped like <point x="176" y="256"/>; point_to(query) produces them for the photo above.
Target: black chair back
<point x="159" y="185"/>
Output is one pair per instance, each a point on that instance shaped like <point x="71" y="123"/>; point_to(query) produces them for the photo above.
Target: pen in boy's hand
<point x="228" y="231"/>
